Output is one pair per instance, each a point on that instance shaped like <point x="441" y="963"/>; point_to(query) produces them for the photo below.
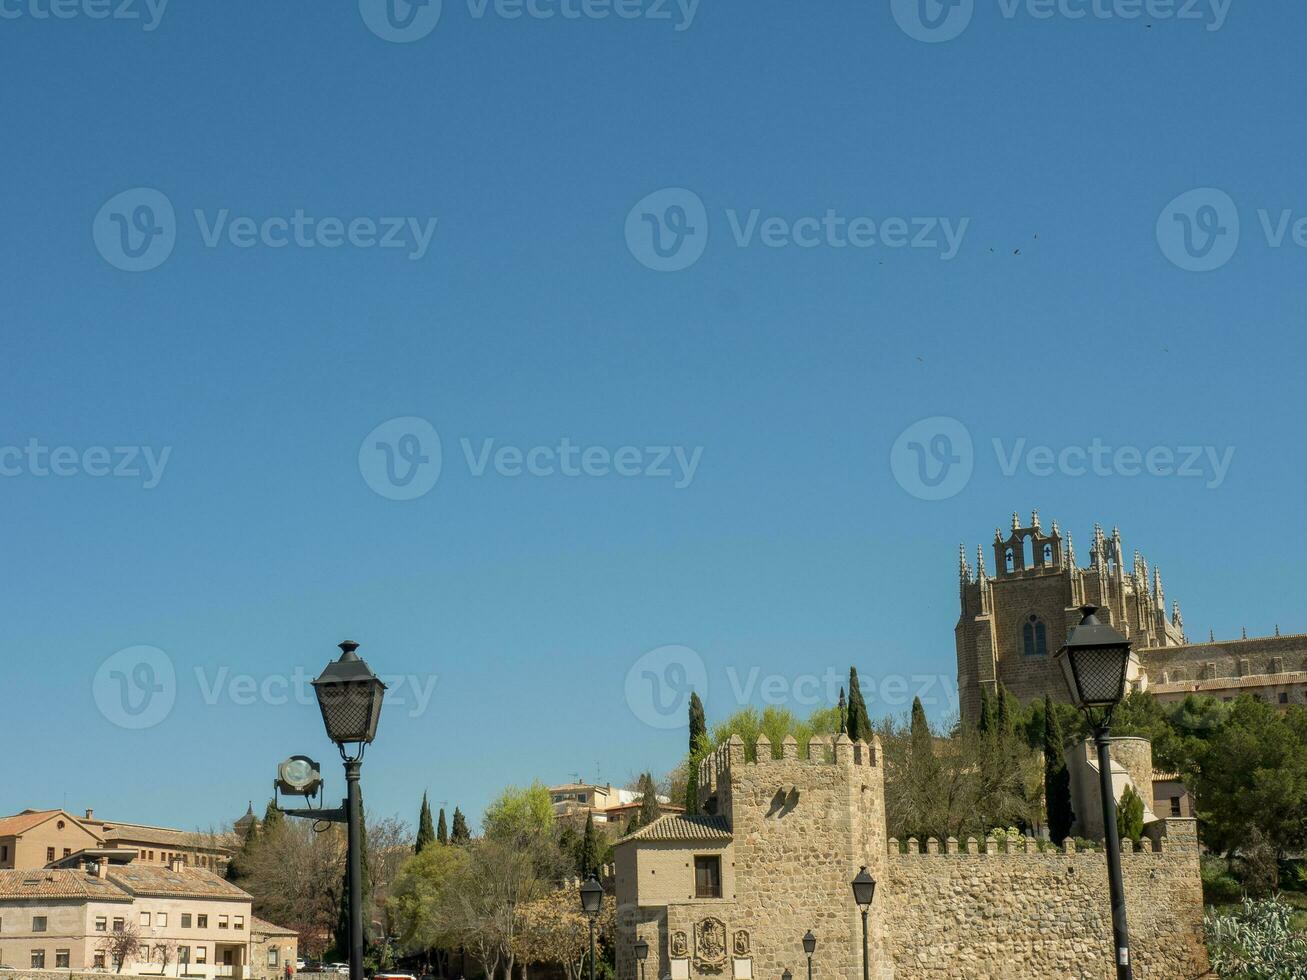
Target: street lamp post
<point x="641" y="954"/>
<point x="1096" y="662"/>
<point x="864" y="891"/>
<point x="349" y="696"/>
<point x="592" y="899"/>
<point x="809" y="947"/>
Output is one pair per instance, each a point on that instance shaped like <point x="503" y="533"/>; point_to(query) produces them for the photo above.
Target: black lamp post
<point x="641" y="954"/>
<point x="350" y="697"/>
<point x="1096" y="661"/>
<point x="864" y="891"/>
<point x="809" y="947"/>
<point x="592" y="899"/>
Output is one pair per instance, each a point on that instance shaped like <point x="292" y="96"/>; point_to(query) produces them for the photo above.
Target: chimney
<point x="176" y="863"/>
<point x="99" y="868"/>
<point x="90" y="814"/>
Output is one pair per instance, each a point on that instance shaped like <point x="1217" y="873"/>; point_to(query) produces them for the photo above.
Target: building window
<point x="239" y="922"/>
<point x="101" y="923"/>
<point x="184" y="956"/>
<point x="222" y="922"/>
<point x="61" y="959"/>
<point x="38" y="959"/>
<point x="119" y="925"/>
<point x="49" y="854"/>
<point x="60" y="825"/>
<point x="201" y="922"/>
<point x="1034" y="638"/>
<point x="1175" y="806"/>
<point x="1284" y="697"/>
<point x="201" y="954"/>
<point x="4" y="852"/>
<point x="708" y="877"/>
<point x="67" y="851"/>
<point x="38" y="923"/>
<point x="161" y="919"/>
<point x="186" y="920"/>
<point x="272" y="956"/>
<point x="145" y="918"/>
<point x="98" y="961"/>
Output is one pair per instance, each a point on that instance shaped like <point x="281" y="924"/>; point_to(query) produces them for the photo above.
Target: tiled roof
<point x="686" y="827"/>
<point x="46" y="883"/>
<point x="21" y="823"/>
<point x="266" y="928"/>
<point x="1225" y="683"/>
<point x="188" y="882"/>
<point x="165" y="836"/>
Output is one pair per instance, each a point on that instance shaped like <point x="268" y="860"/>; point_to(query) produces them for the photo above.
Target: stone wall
<point x="1014" y="913"/>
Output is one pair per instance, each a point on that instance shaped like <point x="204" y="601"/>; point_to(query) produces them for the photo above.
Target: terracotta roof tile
<point x="144" y="879"/>
<point x="686" y="827"/>
<point x="46" y="883"/>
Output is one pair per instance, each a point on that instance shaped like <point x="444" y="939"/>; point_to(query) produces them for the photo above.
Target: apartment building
<point x="100" y="906"/>
<point x="36" y="838"/>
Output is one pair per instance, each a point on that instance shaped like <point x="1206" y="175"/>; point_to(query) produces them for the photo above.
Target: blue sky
<point x="530" y="314"/>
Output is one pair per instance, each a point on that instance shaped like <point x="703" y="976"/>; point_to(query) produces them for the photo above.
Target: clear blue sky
<point x="528" y="319"/>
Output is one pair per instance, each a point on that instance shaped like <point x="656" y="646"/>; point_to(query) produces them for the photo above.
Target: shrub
<point x="1256" y="943"/>
<point x="1219" y="886"/>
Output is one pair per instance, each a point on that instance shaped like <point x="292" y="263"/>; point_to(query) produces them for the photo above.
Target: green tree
<point x="422" y="891"/>
<point x="273" y="819"/>
<point x="243" y="859"/>
<point x="649" y="811"/>
<point x="698" y="749"/>
<point x="342" y="917"/>
<point x="520" y="814"/>
<point x="442" y="829"/>
<point x="1057" y="778"/>
<point x="590" y="854"/>
<point x="987" y="724"/>
<point x="859" y="723"/>
<point x="426" y="833"/>
<point x="1130" y="815"/>
<point x="1251" y="779"/>
<point x="843" y="708"/>
<point x="458" y="832"/>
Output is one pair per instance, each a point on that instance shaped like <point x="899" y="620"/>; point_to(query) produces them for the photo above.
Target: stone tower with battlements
<point x="1014" y="619"/>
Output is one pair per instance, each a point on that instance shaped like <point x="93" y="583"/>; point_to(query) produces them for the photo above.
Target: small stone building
<point x="729" y="894"/>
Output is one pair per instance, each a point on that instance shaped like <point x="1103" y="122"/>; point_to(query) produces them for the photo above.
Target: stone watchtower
<point x="1014" y="621"/>
<point x="730" y="894"/>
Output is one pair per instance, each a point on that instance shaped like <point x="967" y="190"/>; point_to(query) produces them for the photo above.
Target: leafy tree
<point x="238" y="866"/>
<point x="458" y="832"/>
<point x="859" y="725"/>
<point x="555" y="930"/>
<point x="426" y="833"/>
<point x="422" y="892"/>
<point x="589" y="855"/>
<point x="518" y="813"/>
<point x="442" y="830"/>
<point x="1251" y="776"/>
<point x="1130" y="815"/>
<point x="1057" y="778"/>
<point x="776" y="723"/>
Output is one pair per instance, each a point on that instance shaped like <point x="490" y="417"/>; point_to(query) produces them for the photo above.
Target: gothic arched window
<point x="1034" y="637"/>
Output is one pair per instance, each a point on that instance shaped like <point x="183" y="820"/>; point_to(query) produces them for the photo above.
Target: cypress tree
<point x="342" y="913"/>
<point x="458" y="833"/>
<point x="426" y="833"/>
<point x="1130" y="815"/>
<point x="986" y="725"/>
<point x="588" y="855"/>
<point x="698" y="745"/>
<point x="442" y="830"/>
<point x="1057" y="778"/>
<point x="843" y="708"/>
<point x="859" y="722"/>
<point x="649" y="811"/>
<point x="1003" y="712"/>
<point x="272" y="818"/>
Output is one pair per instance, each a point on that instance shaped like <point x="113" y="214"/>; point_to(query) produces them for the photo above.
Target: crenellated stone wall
<point x="993" y="910"/>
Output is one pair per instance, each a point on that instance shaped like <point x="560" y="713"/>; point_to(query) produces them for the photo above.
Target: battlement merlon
<point x="715" y="770"/>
